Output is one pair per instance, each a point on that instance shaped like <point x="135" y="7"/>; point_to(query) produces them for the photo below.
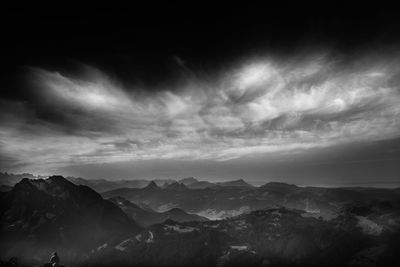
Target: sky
<point x="298" y="97"/>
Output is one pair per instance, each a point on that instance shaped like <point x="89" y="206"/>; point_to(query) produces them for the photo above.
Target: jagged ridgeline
<point x="39" y="216"/>
<point x="161" y="225"/>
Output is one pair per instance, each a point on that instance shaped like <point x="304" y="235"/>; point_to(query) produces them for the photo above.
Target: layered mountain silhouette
<point x="99" y="185"/>
<point x="146" y="217"/>
<point x="271" y="237"/>
<point x="238" y="183"/>
<point x="102" y="185"/>
<point x="10" y="179"/>
<point x="225" y="201"/>
<point x="39" y="216"/>
<point x="188" y="181"/>
<point x="276" y="224"/>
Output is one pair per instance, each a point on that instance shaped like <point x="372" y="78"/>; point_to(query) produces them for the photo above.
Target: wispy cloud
<point x="260" y="106"/>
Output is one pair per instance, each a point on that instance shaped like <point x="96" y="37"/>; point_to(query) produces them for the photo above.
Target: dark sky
<point x="307" y="94"/>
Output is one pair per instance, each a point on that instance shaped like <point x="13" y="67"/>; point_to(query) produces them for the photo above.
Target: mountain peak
<point x="279" y="187"/>
<point x="279" y="184"/>
<point x="238" y="182"/>
<point x="58" y="179"/>
<point x="152" y="185"/>
<point x="176" y="186"/>
<point x="53" y="208"/>
<point x="177" y="211"/>
<point x="188" y="180"/>
<point x="55" y="186"/>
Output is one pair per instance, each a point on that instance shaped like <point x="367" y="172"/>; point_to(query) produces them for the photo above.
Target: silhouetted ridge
<point x="59" y="215"/>
<point x="188" y="180"/>
<point x="152" y="185"/>
<point x="58" y="179"/>
<point x="176" y="186"/>
<point x="177" y="211"/>
<point x="239" y="182"/>
<point x="279" y="185"/>
<point x="146" y="217"/>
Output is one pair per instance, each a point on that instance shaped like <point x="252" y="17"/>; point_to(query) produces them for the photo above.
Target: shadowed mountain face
<point x="5" y="188"/>
<point x="41" y="216"/>
<point x="271" y="237"/>
<point x="146" y="217"/>
<point x="225" y="201"/>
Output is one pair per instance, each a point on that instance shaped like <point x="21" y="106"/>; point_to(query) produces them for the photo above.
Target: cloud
<point x="263" y="106"/>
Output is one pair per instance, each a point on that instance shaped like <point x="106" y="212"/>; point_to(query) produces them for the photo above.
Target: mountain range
<point x="102" y="185"/>
<point x="220" y="201"/>
<point x="276" y="224"/>
<point x="146" y="216"/>
<point x="270" y="237"/>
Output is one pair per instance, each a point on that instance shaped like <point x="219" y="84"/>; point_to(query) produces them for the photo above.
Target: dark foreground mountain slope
<point x="271" y="237"/>
<point x="365" y="233"/>
<point x="146" y="217"/>
<point x="41" y="216"/>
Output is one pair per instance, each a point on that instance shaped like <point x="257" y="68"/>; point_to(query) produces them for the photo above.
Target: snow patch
<point x="212" y="225"/>
<point x="124" y="245"/>
<point x="150" y="239"/>
<point x="369" y="227"/>
<point x="180" y="229"/>
<point x="240" y="248"/>
<point x="102" y="247"/>
<point x="138" y="237"/>
<point x="311" y="207"/>
<point x="213" y="214"/>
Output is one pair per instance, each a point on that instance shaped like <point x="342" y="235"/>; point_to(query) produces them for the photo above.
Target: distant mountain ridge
<point x="238" y="183"/>
<point x="276" y="224"/>
<point x="237" y="197"/>
<point x="146" y="217"/>
<point x="10" y="179"/>
<point x="102" y="185"/>
<point x="188" y="180"/>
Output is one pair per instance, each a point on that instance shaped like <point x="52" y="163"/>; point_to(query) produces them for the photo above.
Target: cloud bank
<point x="260" y="106"/>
